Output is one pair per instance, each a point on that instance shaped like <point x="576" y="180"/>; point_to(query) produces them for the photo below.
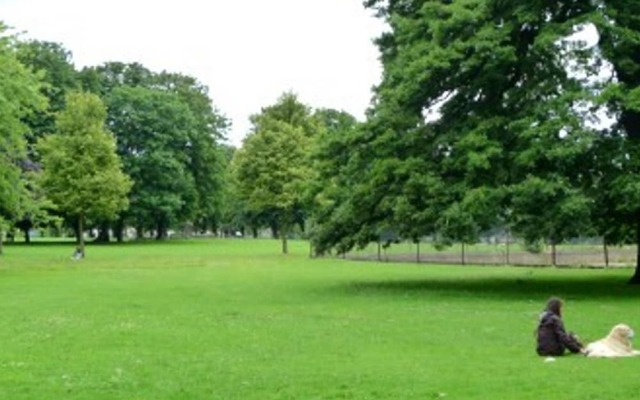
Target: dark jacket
<point x="552" y="337"/>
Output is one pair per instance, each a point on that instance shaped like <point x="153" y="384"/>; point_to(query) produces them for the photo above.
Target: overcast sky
<point x="248" y="52"/>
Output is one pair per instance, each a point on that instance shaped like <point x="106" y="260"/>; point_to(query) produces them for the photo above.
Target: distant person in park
<point x="78" y="254"/>
<point x="553" y="340"/>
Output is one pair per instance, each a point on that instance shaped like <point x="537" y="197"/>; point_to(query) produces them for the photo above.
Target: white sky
<point x="248" y="52"/>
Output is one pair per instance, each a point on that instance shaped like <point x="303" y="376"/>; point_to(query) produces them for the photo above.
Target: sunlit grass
<point x="235" y="319"/>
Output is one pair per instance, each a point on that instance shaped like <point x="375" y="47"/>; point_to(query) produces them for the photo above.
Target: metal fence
<point x="580" y="252"/>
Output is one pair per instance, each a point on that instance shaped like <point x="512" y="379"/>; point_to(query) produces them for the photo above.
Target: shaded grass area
<point x="505" y="286"/>
<point x="234" y="319"/>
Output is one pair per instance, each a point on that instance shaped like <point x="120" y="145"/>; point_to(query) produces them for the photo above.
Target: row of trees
<point x="489" y="114"/>
<point x="117" y="146"/>
<point x="105" y="147"/>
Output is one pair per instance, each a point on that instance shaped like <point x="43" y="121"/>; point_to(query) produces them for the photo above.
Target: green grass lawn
<point x="234" y="319"/>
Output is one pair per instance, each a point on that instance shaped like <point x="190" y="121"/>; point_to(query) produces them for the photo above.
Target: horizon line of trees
<point x="105" y="147"/>
<point x="112" y="147"/>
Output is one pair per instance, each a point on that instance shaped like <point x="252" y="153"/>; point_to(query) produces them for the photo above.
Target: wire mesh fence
<point x="580" y="252"/>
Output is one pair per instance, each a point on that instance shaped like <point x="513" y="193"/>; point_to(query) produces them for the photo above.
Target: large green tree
<point x="272" y="169"/>
<point x="331" y="157"/>
<point x="154" y="128"/>
<point x="618" y="23"/>
<point x="54" y="64"/>
<point x="19" y="97"/>
<point x="273" y="166"/>
<point x="82" y="174"/>
<point x="207" y="160"/>
<point x="477" y="111"/>
<point x="171" y="113"/>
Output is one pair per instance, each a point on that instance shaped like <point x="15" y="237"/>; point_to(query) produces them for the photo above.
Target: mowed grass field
<point x="234" y="319"/>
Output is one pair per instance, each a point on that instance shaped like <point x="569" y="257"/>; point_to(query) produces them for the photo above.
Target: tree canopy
<point x="486" y="116"/>
<point x="53" y="62"/>
<point x="82" y="174"/>
<point x="19" y="98"/>
<point x="168" y="136"/>
<point x="272" y="167"/>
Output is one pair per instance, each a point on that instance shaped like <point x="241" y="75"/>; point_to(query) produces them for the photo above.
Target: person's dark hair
<point x="554" y="305"/>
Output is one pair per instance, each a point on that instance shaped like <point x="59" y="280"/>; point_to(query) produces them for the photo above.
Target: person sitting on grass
<point x="553" y="340"/>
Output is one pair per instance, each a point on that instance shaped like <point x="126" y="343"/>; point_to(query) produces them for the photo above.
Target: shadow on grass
<point x="595" y="287"/>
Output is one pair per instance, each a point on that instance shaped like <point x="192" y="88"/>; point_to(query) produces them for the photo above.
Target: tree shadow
<point x="594" y="287"/>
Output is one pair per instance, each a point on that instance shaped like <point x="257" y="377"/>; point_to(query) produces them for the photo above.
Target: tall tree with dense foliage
<point x="619" y="27"/>
<point x="331" y="157"/>
<point x="478" y="122"/>
<point x="170" y="113"/>
<point x="19" y="98"/>
<point x="272" y="168"/>
<point x="54" y="64"/>
<point x="82" y="174"/>
<point x="206" y="157"/>
<point x="437" y="141"/>
<point x="153" y="130"/>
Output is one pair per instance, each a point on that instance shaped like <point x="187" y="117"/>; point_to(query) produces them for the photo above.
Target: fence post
<point x="463" y="261"/>
<point x="508" y="241"/>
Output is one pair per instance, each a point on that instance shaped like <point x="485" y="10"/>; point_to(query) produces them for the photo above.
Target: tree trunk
<point x="462" y="254"/>
<point x="103" y="233"/>
<point x="606" y="253"/>
<point x="508" y="255"/>
<point x="161" y="230"/>
<point x="1" y="245"/>
<point x="27" y="236"/>
<point x="25" y="225"/>
<point x="285" y="245"/>
<point x="76" y="232"/>
<point x="81" y="235"/>
<point x="118" y="230"/>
